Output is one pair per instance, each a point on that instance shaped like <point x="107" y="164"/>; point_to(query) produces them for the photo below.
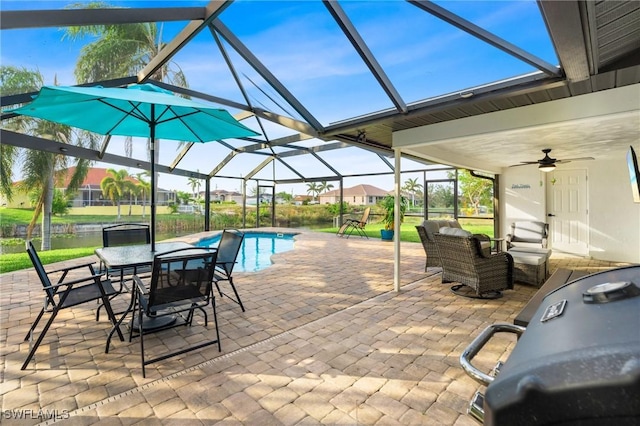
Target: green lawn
<point x="10" y="217"/>
<point x="408" y="228"/>
<point x="16" y="261"/>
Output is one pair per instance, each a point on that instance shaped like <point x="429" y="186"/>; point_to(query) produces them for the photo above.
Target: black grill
<point x="577" y="362"/>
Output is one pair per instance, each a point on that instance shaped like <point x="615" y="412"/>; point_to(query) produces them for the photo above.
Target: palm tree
<point x="116" y="185"/>
<point x="41" y="170"/>
<point x="195" y="183"/>
<point x="13" y="81"/>
<point x="412" y="186"/>
<point x="313" y="188"/>
<point x="119" y="51"/>
<point x="144" y="188"/>
<point x="325" y="187"/>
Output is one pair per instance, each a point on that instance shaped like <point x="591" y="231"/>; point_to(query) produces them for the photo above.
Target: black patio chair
<point x="228" y="250"/>
<point x="124" y="234"/>
<point x="67" y="294"/>
<point x="180" y="283"/>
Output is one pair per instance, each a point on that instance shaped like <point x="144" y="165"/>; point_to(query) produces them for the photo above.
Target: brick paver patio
<point x="324" y="340"/>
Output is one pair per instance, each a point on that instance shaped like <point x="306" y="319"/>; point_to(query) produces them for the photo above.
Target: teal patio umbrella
<point x="142" y="110"/>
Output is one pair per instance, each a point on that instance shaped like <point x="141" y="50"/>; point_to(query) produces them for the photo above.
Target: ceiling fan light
<point x="547" y="168"/>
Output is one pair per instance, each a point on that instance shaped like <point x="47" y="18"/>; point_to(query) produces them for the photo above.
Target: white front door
<point x="567" y="211"/>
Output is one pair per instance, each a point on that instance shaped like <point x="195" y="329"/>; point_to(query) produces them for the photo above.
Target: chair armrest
<point x="508" y="240"/>
<point x="142" y="288"/>
<point x="483" y="238"/>
<point x="497" y="263"/>
<point x="94" y="278"/>
<point x="70" y="268"/>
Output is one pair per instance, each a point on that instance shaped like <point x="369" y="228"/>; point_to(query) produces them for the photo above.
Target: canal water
<point x="83" y="239"/>
<point x="94" y="239"/>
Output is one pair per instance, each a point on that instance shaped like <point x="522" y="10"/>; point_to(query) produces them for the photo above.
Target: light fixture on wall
<point x="547" y="168"/>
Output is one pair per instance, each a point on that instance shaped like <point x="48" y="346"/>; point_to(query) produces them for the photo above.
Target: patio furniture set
<point x="167" y="286"/>
<point x="477" y="263"/>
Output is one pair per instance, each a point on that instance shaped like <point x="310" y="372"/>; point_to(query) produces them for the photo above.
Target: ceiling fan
<point x="548" y="164"/>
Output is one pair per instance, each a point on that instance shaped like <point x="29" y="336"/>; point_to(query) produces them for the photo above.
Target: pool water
<point x="256" y="250"/>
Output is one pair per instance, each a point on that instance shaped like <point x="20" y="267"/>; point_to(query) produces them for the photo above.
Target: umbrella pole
<point x="152" y="128"/>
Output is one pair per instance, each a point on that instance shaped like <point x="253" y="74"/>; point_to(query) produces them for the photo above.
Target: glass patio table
<point x="136" y="256"/>
<point x="125" y="257"/>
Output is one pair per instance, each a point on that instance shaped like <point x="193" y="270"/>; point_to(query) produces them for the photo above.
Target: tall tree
<point x="474" y="191"/>
<point x="144" y="188"/>
<point x="14" y="81"/>
<point x="41" y="170"/>
<point x="313" y="188"/>
<point x="412" y="186"/>
<point x="116" y="185"/>
<point x="325" y="186"/>
<point x="121" y="50"/>
<point x="195" y="183"/>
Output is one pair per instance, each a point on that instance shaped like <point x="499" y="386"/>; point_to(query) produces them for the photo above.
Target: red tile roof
<point x="94" y="177"/>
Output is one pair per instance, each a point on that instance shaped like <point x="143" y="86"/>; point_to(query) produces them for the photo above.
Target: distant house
<point x="299" y="200"/>
<point x="222" y="195"/>
<point x="90" y="194"/>
<point x="359" y="195"/>
<point x="20" y="200"/>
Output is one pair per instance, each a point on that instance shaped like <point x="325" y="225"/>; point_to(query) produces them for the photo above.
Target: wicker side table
<point x="529" y="268"/>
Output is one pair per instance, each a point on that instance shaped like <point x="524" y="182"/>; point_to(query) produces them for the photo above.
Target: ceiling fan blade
<point x="524" y="163"/>
<point x="567" y="160"/>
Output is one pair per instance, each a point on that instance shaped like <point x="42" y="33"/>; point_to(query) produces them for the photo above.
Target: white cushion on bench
<point x="528" y="258"/>
<point x="531" y="250"/>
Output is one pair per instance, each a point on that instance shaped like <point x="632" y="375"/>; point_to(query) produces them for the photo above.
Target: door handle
<point x="550" y="215"/>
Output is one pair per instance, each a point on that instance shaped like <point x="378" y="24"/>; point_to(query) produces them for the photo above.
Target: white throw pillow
<point x="457" y="232"/>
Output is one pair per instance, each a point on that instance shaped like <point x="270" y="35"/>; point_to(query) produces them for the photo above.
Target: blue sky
<point x="304" y="48"/>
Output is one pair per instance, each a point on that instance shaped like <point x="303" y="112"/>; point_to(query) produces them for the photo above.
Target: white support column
<point x="396" y="225"/>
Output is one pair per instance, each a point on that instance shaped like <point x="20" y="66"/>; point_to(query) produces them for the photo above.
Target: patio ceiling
<point x="596" y="46"/>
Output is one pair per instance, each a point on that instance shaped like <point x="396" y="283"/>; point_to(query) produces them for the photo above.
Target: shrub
<point x="60" y="204"/>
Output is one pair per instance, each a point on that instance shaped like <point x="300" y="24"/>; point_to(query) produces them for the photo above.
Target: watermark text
<point x="29" y="414"/>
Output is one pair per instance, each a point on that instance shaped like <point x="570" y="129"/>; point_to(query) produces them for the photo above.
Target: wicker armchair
<point x="464" y="262"/>
<point x="429" y="228"/>
<point x="430" y="249"/>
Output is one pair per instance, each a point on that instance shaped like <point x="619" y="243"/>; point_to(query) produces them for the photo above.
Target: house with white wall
<point x="359" y="195"/>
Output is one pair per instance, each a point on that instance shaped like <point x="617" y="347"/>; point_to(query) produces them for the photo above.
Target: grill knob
<point x="610" y="292"/>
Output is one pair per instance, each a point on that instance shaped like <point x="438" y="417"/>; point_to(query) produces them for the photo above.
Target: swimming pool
<point x="256" y="250"/>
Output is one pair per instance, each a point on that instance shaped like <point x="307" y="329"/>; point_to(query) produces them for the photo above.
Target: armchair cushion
<point x="528" y="233"/>
<point x="458" y="232"/>
<point x="431" y="227"/>
<point x="434" y="226"/>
